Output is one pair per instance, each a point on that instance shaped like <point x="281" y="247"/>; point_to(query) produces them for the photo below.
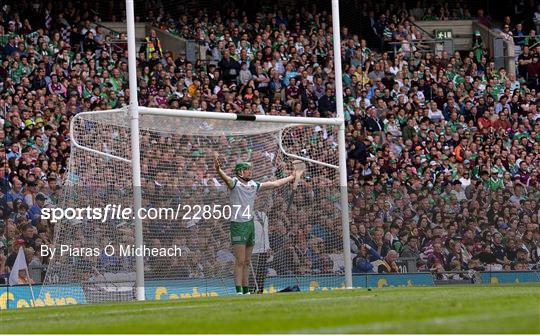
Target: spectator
<point x="519" y="35"/>
<point x="153" y="45"/>
<point x="327" y="103"/>
<point x="410" y="250"/>
<point x="362" y="262"/>
<point x="388" y="264"/>
<point x="436" y="257"/>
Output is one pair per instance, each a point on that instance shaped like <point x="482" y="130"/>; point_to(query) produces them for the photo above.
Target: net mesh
<point x="298" y="233"/>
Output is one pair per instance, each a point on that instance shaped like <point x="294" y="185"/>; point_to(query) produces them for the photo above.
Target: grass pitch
<point x="471" y="309"/>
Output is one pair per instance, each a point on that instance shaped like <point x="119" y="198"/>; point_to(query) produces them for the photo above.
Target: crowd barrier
<point x="21" y="296"/>
<point x="509" y="277"/>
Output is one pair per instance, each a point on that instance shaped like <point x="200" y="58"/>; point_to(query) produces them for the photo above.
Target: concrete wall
<point x="169" y="41"/>
<point x="462" y="31"/>
<point x="178" y="45"/>
<point x="140" y="28"/>
<point x="501" y="50"/>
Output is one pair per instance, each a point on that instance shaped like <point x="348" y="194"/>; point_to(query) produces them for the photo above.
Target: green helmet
<point x="241" y="166"/>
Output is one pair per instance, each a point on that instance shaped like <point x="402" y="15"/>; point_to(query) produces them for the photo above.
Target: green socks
<point x="242" y="290"/>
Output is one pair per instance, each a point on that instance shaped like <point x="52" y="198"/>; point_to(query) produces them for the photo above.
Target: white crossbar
<point x="240" y="117"/>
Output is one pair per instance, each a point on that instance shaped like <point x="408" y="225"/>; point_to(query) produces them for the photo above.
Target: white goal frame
<point x="135" y="111"/>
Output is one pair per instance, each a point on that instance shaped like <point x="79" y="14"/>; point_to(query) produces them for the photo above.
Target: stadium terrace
<point x="383" y="151"/>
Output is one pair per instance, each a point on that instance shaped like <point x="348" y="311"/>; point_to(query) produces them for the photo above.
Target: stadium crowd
<point x="443" y="149"/>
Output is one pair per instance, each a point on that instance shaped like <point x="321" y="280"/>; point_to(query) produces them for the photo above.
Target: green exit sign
<point x="443" y="34"/>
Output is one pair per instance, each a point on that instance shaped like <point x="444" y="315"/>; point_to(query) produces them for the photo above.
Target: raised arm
<point x="226" y="178"/>
<point x="2" y="263"/>
<point x="277" y="183"/>
<point x="374" y="255"/>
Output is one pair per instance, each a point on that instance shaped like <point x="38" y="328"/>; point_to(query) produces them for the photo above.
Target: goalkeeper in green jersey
<point x="243" y="191"/>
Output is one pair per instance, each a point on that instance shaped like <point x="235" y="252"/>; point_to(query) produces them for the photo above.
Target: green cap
<point x="242" y="166"/>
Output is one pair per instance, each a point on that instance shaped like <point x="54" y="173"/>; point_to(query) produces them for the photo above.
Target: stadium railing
<point x="424" y="31"/>
<point x="436" y="46"/>
<point x="408" y="265"/>
<point x="500" y="49"/>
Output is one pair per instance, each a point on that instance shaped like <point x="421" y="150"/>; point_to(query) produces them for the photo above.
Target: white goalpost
<point x="167" y="155"/>
<point x="136" y="159"/>
<point x="340" y="121"/>
<point x="336" y="30"/>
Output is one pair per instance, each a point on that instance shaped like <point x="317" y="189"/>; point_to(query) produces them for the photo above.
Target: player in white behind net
<point x="243" y="191"/>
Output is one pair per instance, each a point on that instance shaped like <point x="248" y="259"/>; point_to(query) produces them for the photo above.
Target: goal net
<point x="298" y="232"/>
